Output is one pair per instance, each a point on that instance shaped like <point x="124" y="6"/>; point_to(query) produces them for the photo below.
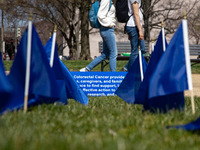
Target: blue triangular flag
<point x="165" y="103"/>
<point x="171" y="74"/>
<point x="130" y="84"/>
<point x="5" y="87"/>
<point x="43" y="87"/>
<point x="142" y="94"/>
<point x="170" y="78"/>
<point x="72" y="88"/>
<point x="162" y="103"/>
<point x="192" y="126"/>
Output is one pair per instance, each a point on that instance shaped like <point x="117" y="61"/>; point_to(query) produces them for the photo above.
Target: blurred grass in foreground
<point x="106" y="123"/>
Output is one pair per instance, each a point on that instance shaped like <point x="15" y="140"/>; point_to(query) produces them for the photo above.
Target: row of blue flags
<point x="166" y="77"/>
<point x="46" y="85"/>
<point x="158" y="86"/>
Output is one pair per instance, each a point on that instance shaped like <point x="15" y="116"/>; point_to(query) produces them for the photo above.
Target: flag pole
<point x="163" y="36"/>
<point x="192" y="102"/>
<point x="187" y="57"/>
<point x="50" y="34"/>
<point x="53" y="46"/>
<point x="28" y="62"/>
<point x="152" y="45"/>
<point x="140" y="62"/>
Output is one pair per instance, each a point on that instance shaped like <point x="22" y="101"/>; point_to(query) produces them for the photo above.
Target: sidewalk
<point x="196" y="85"/>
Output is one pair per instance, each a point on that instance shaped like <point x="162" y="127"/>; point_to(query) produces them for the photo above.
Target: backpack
<point x="122" y="11"/>
<point x="93" y="14"/>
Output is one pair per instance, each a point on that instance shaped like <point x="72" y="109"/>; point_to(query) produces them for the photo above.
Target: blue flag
<point x="130" y="84"/>
<point x="43" y="87"/>
<point x="72" y="88"/>
<point x="170" y="78"/>
<point x="171" y="74"/>
<point x="5" y="87"/>
<point x="161" y="103"/>
<point x="192" y="126"/>
<point x="142" y="94"/>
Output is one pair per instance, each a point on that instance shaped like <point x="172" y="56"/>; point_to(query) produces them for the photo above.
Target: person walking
<point x="134" y="30"/>
<point x="107" y="20"/>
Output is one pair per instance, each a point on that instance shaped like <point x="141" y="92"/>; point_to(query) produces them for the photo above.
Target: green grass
<point x="7" y="65"/>
<point x="76" y="65"/>
<point x="196" y="68"/>
<point x="106" y="123"/>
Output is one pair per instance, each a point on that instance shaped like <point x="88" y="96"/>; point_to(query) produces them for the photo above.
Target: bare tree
<point x="194" y="25"/>
<point x="170" y="11"/>
<point x="63" y="13"/>
<point x="71" y="17"/>
<point x="84" y="9"/>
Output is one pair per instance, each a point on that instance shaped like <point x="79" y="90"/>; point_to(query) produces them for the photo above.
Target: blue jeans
<point x="135" y="42"/>
<point x="109" y="49"/>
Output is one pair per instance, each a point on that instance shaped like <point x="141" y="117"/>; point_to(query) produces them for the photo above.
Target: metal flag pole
<point x="187" y="57"/>
<point x="163" y="36"/>
<point x="28" y="62"/>
<point x="53" y="46"/>
<point x="140" y="61"/>
<point x="152" y="45"/>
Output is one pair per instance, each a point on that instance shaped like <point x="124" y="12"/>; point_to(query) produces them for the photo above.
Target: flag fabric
<point x="5" y="87"/>
<point x="164" y="104"/>
<point x="142" y="95"/>
<point x="160" y="103"/>
<point x="43" y="87"/>
<point x="192" y="126"/>
<point x="170" y="77"/>
<point x="130" y="84"/>
<point x="72" y="88"/>
<point x="171" y="74"/>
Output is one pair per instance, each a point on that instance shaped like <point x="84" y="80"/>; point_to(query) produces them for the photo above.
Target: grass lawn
<point x="106" y="123"/>
<point x="76" y="65"/>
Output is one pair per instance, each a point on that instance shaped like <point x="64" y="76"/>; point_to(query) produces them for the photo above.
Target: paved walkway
<point x="196" y="85"/>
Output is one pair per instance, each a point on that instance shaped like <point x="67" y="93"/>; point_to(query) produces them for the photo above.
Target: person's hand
<point x="141" y="35"/>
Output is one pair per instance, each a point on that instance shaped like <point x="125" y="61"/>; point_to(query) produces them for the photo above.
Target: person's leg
<point x="133" y="37"/>
<point x="109" y="38"/>
<point x="100" y="58"/>
<point x="105" y="54"/>
<point x="109" y="49"/>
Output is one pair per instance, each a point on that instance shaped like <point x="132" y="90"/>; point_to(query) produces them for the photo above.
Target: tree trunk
<point x="77" y="32"/>
<point x="85" y="45"/>
<point x="147" y="13"/>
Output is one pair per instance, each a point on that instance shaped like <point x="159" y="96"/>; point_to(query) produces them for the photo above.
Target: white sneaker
<point x="84" y="70"/>
<point x="124" y="69"/>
